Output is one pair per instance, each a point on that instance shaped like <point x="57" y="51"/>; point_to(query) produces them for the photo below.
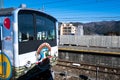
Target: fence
<point x="96" y="41"/>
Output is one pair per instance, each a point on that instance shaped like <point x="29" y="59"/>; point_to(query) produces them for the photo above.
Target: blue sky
<point x="74" y="10"/>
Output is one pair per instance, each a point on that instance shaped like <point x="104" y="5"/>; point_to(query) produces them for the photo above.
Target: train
<point x="28" y="37"/>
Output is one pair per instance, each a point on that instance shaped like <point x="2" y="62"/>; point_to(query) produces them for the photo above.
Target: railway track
<point x="93" y="71"/>
<point x="90" y="67"/>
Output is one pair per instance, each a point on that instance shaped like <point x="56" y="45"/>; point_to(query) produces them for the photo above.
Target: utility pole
<point x="43" y="8"/>
<point x="1" y="3"/>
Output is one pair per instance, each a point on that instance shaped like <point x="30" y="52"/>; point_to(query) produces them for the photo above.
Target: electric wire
<point x="52" y="5"/>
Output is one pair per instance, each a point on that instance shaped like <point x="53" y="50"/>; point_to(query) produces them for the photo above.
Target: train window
<point x="26" y="28"/>
<point x="45" y="28"/>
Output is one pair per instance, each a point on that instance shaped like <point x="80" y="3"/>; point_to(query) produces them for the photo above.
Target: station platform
<point x="98" y="50"/>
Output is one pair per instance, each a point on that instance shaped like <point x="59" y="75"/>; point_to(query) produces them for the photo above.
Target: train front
<point x="29" y="44"/>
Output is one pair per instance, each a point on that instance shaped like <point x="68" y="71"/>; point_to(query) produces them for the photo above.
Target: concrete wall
<point x="96" y="41"/>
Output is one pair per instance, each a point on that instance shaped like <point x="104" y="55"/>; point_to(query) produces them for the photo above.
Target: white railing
<point x="97" y="41"/>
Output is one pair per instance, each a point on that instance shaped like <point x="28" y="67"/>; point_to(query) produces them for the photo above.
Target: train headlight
<point x="28" y="64"/>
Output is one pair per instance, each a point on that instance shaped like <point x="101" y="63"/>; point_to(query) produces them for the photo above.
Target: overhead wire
<point x="78" y="17"/>
<point x="52" y="2"/>
<point x="74" y="5"/>
<point x="110" y="6"/>
<point x="54" y="7"/>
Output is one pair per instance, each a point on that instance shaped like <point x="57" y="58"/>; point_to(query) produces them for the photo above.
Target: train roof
<point x="9" y="11"/>
<point x="6" y="11"/>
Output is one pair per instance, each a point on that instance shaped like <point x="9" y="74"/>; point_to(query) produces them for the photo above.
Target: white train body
<point x="25" y="33"/>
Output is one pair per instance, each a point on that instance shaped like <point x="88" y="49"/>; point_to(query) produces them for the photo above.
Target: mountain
<point x="102" y="28"/>
<point x="99" y="28"/>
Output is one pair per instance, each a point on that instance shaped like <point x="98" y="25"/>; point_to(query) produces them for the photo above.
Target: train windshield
<point x="34" y="26"/>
